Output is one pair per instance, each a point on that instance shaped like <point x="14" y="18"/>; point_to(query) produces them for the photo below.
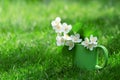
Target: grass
<point x="27" y="42"/>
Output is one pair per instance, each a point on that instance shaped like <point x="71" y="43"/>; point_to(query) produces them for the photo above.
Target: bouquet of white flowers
<point x="62" y="30"/>
<point x="82" y="57"/>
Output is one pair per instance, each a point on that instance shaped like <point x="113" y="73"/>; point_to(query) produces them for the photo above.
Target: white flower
<point x="57" y="26"/>
<point x="70" y="44"/>
<point x="60" y="40"/>
<point x="85" y="43"/>
<point x="66" y="28"/>
<point x="76" y="38"/>
<point x="90" y="44"/>
<point x="56" y="22"/>
<point x="63" y="38"/>
<point x="66" y="37"/>
<point x="93" y="39"/>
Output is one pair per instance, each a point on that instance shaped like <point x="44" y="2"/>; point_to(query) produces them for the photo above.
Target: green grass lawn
<point x="28" y="48"/>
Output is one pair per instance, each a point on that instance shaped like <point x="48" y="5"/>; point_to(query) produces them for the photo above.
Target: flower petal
<point x="66" y="28"/>
<point x="60" y="40"/>
<point x="76" y="38"/>
<point x="70" y="44"/>
<point x="58" y="19"/>
<point x="66" y="37"/>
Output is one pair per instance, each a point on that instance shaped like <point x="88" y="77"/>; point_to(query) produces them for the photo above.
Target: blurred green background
<point x="28" y="48"/>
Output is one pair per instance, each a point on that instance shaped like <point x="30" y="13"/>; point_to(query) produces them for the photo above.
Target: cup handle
<point x="105" y="52"/>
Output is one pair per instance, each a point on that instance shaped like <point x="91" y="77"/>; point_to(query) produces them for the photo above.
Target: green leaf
<point x="76" y="27"/>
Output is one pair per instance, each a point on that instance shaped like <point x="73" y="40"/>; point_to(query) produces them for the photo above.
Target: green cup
<point x="86" y="59"/>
